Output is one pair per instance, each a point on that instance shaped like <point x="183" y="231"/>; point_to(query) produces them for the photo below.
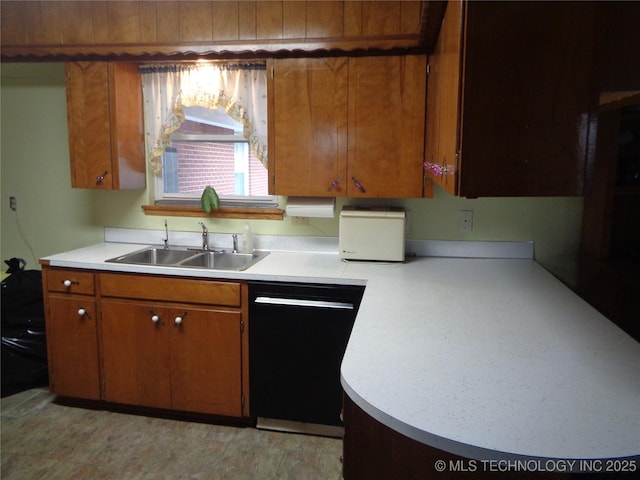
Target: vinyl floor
<point x="43" y="440"/>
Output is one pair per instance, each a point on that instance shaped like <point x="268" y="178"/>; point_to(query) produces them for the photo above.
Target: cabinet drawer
<point x="170" y="289"/>
<point x="70" y="281"/>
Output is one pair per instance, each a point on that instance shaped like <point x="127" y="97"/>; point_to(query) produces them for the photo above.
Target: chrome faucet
<point x="205" y="237"/>
<point x="235" y="243"/>
<point x="166" y="235"/>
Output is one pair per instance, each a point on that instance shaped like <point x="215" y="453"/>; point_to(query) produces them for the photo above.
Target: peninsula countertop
<point x="481" y="357"/>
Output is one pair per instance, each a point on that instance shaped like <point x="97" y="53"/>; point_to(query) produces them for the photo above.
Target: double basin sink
<point x="174" y="257"/>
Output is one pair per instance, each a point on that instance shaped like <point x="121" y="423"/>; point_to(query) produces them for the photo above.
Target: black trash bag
<point x="15" y="265"/>
<point x="24" y="347"/>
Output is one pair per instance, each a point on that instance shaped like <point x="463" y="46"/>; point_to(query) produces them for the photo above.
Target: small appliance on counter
<point x="372" y="233"/>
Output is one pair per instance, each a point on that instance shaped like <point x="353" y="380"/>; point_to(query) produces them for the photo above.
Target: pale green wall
<point x="35" y="167"/>
<point x="54" y="217"/>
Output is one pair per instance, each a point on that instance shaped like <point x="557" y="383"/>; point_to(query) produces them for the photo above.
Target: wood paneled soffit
<point x="223" y="29"/>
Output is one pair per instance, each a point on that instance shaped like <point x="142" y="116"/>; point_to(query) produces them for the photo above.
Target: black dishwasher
<point x="297" y="337"/>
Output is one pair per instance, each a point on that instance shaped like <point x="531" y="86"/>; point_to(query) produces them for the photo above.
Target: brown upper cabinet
<point x="307" y="125"/>
<point x="104" y="113"/>
<point x="386" y="126"/>
<point x="347" y="126"/>
<point x="510" y="94"/>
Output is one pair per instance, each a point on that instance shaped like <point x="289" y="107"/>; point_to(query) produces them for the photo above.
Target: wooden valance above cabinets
<point x="36" y="30"/>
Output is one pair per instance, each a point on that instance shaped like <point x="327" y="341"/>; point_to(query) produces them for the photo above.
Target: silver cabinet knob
<point x="82" y="312"/>
<point x="155" y="318"/>
<point x="67" y="283"/>
<point x="177" y="320"/>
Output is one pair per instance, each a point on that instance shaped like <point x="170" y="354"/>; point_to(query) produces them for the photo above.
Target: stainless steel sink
<point x="155" y="256"/>
<point x="215" y="260"/>
<point x="224" y="260"/>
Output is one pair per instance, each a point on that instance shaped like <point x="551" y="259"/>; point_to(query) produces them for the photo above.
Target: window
<point x="205" y="124"/>
<point x="209" y="149"/>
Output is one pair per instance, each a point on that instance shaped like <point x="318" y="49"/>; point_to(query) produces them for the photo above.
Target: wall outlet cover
<point x="465" y="221"/>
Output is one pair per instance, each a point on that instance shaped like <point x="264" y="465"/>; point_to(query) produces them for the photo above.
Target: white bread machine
<point x="372" y="233"/>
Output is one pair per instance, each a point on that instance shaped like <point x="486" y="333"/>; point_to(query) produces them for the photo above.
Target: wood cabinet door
<point x="104" y="115"/>
<point x="72" y="341"/>
<point x="135" y="353"/>
<point x="308" y="126"/>
<point x="443" y="102"/>
<point x="206" y="355"/>
<point x="528" y="93"/>
<point x="176" y="358"/>
<point x="386" y="126"/>
<point x="89" y="124"/>
<point x="128" y="161"/>
<point x="508" y="115"/>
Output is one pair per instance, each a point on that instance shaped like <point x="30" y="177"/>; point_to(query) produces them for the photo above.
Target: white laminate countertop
<point x="484" y="358"/>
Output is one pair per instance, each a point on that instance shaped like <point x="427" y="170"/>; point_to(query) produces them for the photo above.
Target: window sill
<point x="222" y="212"/>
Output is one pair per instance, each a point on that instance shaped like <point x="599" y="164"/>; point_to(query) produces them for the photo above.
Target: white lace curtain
<point x="241" y="89"/>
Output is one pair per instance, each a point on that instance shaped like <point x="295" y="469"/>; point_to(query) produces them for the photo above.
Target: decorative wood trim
<point x="221" y="50"/>
<point x="222" y="212"/>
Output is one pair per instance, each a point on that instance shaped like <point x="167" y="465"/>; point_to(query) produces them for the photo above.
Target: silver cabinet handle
<point x="82" y="312"/>
<point x="298" y="302"/>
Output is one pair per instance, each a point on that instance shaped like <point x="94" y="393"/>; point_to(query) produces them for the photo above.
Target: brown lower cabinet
<point x="72" y="340"/>
<point x="179" y="358"/>
<point x="72" y="333"/>
<point x="148" y="341"/>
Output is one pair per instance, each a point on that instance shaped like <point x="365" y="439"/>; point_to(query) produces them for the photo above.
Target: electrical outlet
<point x="465" y="221"/>
<point x="13" y="205"/>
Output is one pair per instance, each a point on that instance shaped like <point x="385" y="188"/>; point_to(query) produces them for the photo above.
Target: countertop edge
<point x="450" y="446"/>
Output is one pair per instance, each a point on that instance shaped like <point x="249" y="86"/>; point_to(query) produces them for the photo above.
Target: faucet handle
<point x="204" y="227"/>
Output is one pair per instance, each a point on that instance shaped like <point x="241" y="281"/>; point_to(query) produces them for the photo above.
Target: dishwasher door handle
<point x="299" y="302"/>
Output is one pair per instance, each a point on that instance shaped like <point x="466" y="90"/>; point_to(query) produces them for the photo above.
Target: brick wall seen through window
<point x="213" y="163"/>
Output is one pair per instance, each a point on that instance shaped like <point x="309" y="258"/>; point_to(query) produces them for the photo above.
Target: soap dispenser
<point x="247" y="239"/>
